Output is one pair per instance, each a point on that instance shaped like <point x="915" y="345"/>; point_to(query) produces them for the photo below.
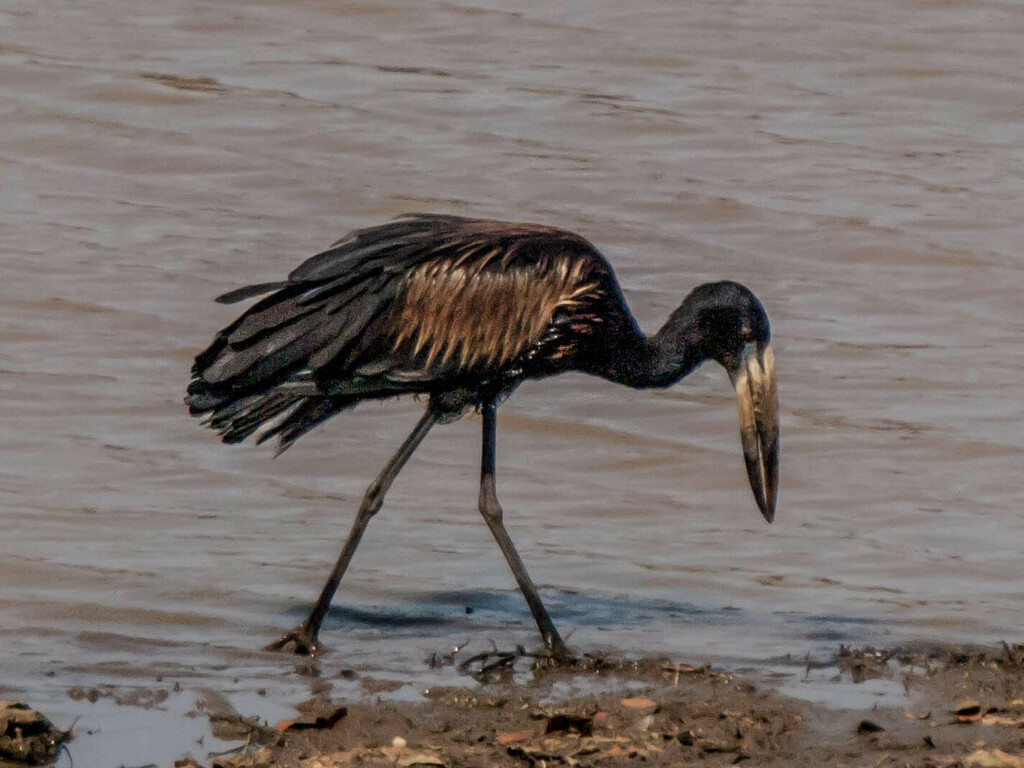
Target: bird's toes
<point x="560" y="659"/>
<point x="299" y="641"/>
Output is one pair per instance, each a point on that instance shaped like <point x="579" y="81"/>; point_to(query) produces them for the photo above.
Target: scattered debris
<point x="436" y="660"/>
<point x="580" y="724"/>
<point x="26" y="736"/>
<point x="318" y="715"/>
<point x="864" y="663"/>
<point x="968" y="711"/>
<point x="143" y="698"/>
<point x="675" y="670"/>
<point x="869" y="726"/>
<point x="638" y="713"/>
<point x="76" y="693"/>
<point x="227" y="724"/>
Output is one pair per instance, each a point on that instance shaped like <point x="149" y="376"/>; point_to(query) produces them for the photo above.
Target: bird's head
<point x="732" y="328"/>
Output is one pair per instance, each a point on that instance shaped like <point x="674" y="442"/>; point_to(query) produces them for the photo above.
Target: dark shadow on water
<point x="481" y="610"/>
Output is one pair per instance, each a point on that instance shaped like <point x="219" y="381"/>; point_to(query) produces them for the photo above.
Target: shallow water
<point x="860" y="166"/>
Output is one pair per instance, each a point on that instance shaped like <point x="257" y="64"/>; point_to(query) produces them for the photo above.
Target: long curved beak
<point x="758" y="401"/>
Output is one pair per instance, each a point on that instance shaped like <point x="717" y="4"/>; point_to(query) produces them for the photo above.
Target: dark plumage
<point x="363" y="320"/>
<point x="463" y="310"/>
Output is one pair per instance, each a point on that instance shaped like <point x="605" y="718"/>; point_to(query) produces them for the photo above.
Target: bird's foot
<point x="302" y="642"/>
<point x="484" y="665"/>
<point x="561" y="658"/>
<point x="556" y="653"/>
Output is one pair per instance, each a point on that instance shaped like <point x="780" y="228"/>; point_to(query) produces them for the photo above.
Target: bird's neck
<point x="643" y="361"/>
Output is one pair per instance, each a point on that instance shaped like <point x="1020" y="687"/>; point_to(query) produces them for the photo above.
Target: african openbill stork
<point x="463" y="311"/>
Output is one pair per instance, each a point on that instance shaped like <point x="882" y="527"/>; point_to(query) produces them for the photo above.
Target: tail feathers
<point x="271" y="414"/>
<point x="238" y="419"/>
<point x="309" y="414"/>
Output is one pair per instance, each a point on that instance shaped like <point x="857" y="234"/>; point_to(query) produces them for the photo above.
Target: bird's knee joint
<point x="490" y="508"/>
<point x="372" y="501"/>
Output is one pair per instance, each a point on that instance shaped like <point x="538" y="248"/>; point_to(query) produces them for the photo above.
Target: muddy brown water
<point x="860" y="166"/>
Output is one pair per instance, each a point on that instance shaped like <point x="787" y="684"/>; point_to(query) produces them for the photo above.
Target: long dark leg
<point x="491" y="510"/>
<point x="304" y="636"/>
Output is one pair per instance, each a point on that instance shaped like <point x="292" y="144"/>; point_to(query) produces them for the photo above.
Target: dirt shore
<point x="967" y="709"/>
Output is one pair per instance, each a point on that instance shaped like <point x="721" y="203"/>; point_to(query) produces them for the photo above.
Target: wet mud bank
<point x="963" y="706"/>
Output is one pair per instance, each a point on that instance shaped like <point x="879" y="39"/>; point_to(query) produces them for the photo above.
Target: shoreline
<point x="922" y="706"/>
<point x="966" y="708"/>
